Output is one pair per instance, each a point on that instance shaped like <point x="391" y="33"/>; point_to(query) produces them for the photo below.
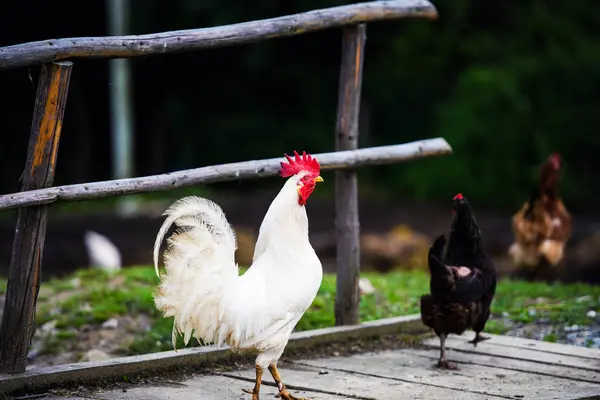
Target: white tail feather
<point x="196" y="212"/>
<point x="199" y="263"/>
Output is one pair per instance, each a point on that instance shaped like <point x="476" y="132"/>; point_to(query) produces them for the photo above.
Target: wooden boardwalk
<point x="501" y="368"/>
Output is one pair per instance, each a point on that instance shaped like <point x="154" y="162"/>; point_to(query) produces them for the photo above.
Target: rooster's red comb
<point x="458" y="197"/>
<point x="300" y="163"/>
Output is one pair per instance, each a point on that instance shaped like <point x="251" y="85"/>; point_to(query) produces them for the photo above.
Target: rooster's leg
<point x="254" y="392"/>
<point x="443" y="363"/>
<point x="283" y="392"/>
<point x="478" y="338"/>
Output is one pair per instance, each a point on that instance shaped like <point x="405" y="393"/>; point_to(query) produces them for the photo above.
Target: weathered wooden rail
<point x="222" y="173"/>
<point x="45" y="51"/>
<point x="36" y="195"/>
<point x="346" y="185"/>
<point x="28" y="245"/>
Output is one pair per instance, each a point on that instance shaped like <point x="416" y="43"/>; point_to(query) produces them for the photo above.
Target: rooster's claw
<point x="285" y="395"/>
<point x="249" y="391"/>
<point x="446" y="365"/>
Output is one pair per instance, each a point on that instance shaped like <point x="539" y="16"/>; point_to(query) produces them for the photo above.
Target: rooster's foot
<point x="250" y="391"/>
<point x="283" y="392"/>
<point x="285" y="395"/>
<point x="254" y="392"/>
<point x="478" y="338"/>
<point x="444" y="364"/>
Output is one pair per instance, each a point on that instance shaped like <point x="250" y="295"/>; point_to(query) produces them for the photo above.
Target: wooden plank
<point x="25" y="264"/>
<point x="223" y="173"/>
<point x="196" y="39"/>
<point x="206" y="387"/>
<point x="346" y="186"/>
<point x="490" y="381"/>
<point x="458" y="343"/>
<point x="548" y="347"/>
<point x="349" y="385"/>
<point x="509" y="363"/>
<point x="82" y="373"/>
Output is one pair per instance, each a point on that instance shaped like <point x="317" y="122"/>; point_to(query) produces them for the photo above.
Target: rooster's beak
<point x="319" y="179"/>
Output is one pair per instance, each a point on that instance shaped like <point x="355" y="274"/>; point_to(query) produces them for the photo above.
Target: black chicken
<point x="462" y="284"/>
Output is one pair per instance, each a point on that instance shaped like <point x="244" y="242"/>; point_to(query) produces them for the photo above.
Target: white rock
<point x="112" y="323"/>
<point x="55" y="311"/>
<point x="48" y="327"/>
<point x="95" y="355"/>
<point x="591" y="314"/>
<point x="572" y="328"/>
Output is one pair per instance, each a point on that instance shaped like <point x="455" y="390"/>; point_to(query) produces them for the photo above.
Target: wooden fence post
<point x="346" y="188"/>
<point x="18" y="320"/>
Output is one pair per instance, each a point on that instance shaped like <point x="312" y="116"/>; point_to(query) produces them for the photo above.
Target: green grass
<point x="90" y="297"/>
<point x="563" y="304"/>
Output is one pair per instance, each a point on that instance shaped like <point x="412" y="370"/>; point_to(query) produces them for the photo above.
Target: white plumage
<point x="210" y="301"/>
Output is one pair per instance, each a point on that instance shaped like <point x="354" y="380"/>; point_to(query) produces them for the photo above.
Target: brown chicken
<point x="542" y="226"/>
<point x="462" y="284"/>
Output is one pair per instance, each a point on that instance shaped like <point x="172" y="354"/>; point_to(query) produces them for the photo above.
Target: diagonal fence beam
<point x="22" y="55"/>
<point x="223" y="173"/>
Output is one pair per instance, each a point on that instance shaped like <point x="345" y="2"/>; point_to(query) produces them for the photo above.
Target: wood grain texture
<point x="28" y="246"/>
<point x="346" y="186"/>
<point x="25" y="54"/>
<point x="223" y="173"/>
<point x="84" y="373"/>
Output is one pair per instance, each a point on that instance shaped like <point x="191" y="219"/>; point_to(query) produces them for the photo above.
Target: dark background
<point x="505" y="83"/>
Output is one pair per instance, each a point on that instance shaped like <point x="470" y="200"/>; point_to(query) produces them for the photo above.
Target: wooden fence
<point x="37" y="194"/>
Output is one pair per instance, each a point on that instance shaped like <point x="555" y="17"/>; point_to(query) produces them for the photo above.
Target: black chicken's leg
<point x="443" y="363"/>
<point x="283" y="392"/>
<point x="478" y="338"/>
<point x="254" y="392"/>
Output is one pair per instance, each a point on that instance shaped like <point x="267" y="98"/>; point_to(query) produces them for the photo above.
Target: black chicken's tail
<point x="434" y="258"/>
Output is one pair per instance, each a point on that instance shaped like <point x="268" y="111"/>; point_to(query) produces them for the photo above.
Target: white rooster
<point x="258" y="310"/>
